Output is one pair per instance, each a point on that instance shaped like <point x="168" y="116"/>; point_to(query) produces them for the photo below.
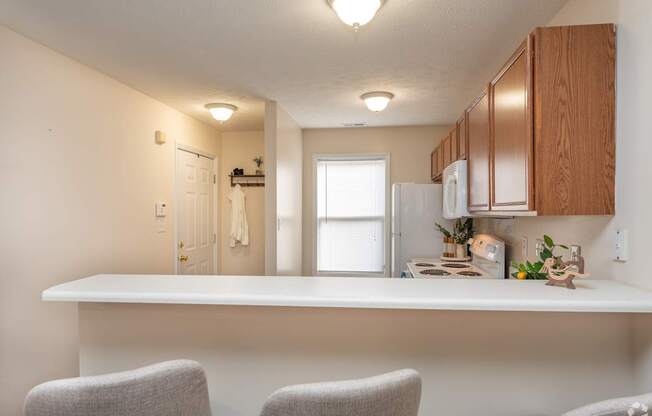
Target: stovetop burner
<point x="424" y="265"/>
<point x="435" y="272"/>
<point x="455" y="265"/>
<point x="469" y="273"/>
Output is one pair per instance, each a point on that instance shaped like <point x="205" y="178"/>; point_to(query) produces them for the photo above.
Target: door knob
<point x="183" y="258"/>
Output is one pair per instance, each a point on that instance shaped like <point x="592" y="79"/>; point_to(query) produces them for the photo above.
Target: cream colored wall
<point x="409" y="149"/>
<point x="238" y="151"/>
<point x="289" y="168"/>
<point x="271" y="123"/>
<point x="79" y="176"/>
<point x="283" y="205"/>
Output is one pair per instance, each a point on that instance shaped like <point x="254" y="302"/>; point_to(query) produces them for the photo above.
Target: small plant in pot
<point x="449" y="242"/>
<point x="462" y="233"/>
<point x="455" y="242"/>
<point x="532" y="271"/>
<point x="259" y="162"/>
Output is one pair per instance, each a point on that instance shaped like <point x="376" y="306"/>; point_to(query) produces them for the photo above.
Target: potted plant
<point x="259" y="162"/>
<point x="462" y="233"/>
<point x="532" y="271"/>
<point x="449" y="242"/>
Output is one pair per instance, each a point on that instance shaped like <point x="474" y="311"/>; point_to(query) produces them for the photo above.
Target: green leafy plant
<point x="532" y="271"/>
<point x="463" y="230"/>
<point x="259" y="161"/>
<point x="444" y="231"/>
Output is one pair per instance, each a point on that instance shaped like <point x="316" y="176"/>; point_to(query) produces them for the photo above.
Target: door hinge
<point x="214" y="238"/>
<point x="214" y="178"/>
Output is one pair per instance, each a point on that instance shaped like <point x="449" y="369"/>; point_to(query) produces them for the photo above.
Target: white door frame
<point x="216" y="200"/>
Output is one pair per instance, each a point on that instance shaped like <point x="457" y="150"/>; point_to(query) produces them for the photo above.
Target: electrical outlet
<point x="621" y="245"/>
<point x="524" y="248"/>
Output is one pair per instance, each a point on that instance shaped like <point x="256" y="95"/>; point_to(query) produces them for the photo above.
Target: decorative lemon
<point x="521" y="275"/>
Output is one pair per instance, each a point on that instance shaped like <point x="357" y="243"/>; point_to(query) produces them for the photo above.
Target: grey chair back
<point x="172" y="388"/>
<point x="392" y="394"/>
<point x="621" y="406"/>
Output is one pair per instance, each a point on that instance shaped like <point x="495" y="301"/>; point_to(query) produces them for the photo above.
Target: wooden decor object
<point x="562" y="276"/>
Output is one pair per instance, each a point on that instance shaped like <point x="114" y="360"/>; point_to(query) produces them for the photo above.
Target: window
<point x="351" y="214"/>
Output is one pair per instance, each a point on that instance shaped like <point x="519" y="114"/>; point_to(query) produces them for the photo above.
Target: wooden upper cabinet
<point x="478" y="135"/>
<point x="574" y="116"/>
<point x="446" y="147"/>
<point x="440" y="158"/>
<point x="461" y="138"/>
<point x="454" y="145"/>
<point x="512" y="134"/>
<point x="433" y="165"/>
<point x="541" y="140"/>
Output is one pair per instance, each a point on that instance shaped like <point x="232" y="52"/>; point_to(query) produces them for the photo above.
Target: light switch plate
<point x="524" y="248"/>
<point x="622" y="242"/>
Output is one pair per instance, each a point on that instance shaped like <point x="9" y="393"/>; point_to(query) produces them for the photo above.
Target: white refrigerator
<point x="415" y="210"/>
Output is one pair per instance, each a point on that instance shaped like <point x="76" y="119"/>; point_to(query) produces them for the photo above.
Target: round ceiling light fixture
<point x="356" y="13"/>
<point x="377" y="100"/>
<point x="221" y="111"/>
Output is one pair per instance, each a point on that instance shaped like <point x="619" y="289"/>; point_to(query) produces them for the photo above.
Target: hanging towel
<point x="239" y="227"/>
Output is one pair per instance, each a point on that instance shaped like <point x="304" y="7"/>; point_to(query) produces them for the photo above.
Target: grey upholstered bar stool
<point x="391" y="394"/>
<point x="172" y="388"/>
<point x="622" y="406"/>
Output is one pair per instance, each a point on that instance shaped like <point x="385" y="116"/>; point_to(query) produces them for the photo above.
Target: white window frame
<point x="386" y="223"/>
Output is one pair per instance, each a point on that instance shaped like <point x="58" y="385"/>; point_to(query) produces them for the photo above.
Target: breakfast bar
<point x="256" y="334"/>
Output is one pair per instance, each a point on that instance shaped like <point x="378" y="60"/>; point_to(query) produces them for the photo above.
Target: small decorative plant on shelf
<point x="259" y="162"/>
<point x="536" y="270"/>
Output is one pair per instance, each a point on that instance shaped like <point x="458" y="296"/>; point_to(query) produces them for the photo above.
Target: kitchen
<point x="488" y="337"/>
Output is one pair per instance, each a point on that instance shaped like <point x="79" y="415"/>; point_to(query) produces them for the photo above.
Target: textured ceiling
<point x="434" y="55"/>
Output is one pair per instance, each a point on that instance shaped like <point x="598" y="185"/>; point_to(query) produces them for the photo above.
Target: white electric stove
<point x="488" y="262"/>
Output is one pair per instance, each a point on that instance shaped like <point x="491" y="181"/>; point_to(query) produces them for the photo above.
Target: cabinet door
<point x="461" y="138"/>
<point x="512" y="135"/>
<point x="433" y="164"/>
<point x="446" y="147"/>
<point x="478" y="154"/>
<point x="454" y="145"/>
<point x="440" y="158"/>
<point x="575" y="133"/>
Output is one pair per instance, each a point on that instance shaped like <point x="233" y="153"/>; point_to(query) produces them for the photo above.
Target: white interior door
<point x="195" y="202"/>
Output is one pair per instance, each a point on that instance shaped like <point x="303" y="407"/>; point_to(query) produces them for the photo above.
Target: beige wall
<point x="409" y="149"/>
<point x="238" y="151"/>
<point x="289" y="169"/>
<point x="283" y="205"/>
<point x="79" y="176"/>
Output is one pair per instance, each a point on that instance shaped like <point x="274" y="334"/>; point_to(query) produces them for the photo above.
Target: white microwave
<point x="454" y="181"/>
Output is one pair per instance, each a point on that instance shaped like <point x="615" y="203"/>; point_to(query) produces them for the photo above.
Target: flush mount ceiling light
<point x="220" y="111"/>
<point x="377" y="100"/>
<point x="356" y="13"/>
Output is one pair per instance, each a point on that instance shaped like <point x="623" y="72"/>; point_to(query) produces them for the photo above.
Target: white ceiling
<point x="434" y="55"/>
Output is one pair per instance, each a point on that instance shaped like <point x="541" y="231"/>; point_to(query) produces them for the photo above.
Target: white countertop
<point x="339" y="292"/>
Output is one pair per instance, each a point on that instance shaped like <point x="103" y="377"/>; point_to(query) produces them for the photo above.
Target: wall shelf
<point x="247" y="180"/>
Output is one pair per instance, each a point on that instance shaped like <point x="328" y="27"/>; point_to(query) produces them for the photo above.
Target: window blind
<point x="351" y="215"/>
